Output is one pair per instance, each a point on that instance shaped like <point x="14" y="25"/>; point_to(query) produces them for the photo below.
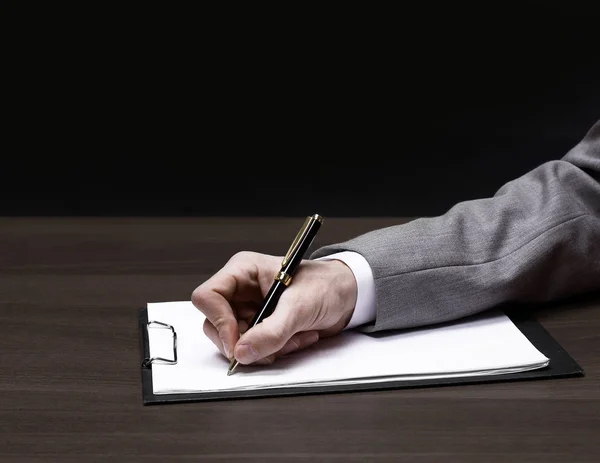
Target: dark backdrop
<point x="374" y="116"/>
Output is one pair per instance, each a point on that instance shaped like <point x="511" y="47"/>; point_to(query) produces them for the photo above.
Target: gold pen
<point x="283" y="278"/>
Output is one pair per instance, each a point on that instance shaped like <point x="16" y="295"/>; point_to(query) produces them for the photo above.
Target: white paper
<point x="482" y="345"/>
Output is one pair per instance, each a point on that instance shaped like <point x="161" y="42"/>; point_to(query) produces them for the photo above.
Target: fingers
<point x="212" y="298"/>
<point x="220" y="316"/>
<point x="269" y="336"/>
<point x="211" y="333"/>
<point x="245" y="310"/>
<point x="234" y="288"/>
<point x="268" y="360"/>
<point x="317" y="303"/>
<point x="299" y="341"/>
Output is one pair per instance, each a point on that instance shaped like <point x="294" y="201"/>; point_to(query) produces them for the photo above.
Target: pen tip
<point x="232" y="365"/>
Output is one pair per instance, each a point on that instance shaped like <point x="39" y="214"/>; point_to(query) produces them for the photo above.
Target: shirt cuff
<point x="364" y="311"/>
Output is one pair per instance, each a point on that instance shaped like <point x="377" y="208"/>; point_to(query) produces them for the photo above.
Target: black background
<point x="242" y="112"/>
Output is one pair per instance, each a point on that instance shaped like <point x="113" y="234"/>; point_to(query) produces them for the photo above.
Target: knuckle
<point x="241" y="256"/>
<point x="220" y="322"/>
<point x="203" y="300"/>
<point x="206" y="327"/>
<point x="199" y="297"/>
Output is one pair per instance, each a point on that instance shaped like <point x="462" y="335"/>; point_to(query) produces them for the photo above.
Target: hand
<point x="318" y="303"/>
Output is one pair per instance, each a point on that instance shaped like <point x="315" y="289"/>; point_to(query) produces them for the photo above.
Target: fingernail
<point x="313" y="337"/>
<point x="290" y="346"/>
<point x="246" y="353"/>
<point x="226" y="349"/>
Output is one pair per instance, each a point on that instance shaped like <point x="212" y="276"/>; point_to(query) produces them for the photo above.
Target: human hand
<point x="318" y="303"/>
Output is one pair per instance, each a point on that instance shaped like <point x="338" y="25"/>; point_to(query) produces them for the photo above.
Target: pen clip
<point x="296" y="243"/>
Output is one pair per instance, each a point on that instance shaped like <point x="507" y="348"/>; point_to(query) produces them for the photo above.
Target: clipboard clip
<point x="147" y="362"/>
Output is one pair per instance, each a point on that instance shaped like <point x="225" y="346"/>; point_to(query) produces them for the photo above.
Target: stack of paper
<point x="488" y="344"/>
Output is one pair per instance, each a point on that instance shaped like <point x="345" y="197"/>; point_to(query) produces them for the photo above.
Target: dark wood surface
<point x="70" y="391"/>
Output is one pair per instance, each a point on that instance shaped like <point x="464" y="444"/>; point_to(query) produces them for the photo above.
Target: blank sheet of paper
<point x="483" y="345"/>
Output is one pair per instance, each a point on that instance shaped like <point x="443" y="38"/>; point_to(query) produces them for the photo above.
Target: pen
<point x="283" y="278"/>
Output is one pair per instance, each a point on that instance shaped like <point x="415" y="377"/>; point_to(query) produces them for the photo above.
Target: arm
<point x="536" y="239"/>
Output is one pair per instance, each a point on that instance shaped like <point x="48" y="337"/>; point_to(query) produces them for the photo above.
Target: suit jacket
<point x="536" y="239"/>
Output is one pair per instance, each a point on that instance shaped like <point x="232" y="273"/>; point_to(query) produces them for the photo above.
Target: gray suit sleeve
<point x="537" y="239"/>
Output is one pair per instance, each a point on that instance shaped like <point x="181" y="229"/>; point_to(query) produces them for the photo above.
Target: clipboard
<point x="561" y="365"/>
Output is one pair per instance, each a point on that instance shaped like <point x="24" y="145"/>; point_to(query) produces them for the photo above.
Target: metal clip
<point x="160" y="360"/>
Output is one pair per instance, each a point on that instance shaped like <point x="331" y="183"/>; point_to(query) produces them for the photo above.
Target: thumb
<point x="269" y="336"/>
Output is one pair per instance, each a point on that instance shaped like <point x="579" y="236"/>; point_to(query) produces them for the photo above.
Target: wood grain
<point x="70" y="290"/>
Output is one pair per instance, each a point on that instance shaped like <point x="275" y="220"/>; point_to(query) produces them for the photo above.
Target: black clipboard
<point x="561" y="365"/>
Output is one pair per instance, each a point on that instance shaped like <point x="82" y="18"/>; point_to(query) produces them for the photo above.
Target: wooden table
<point x="70" y="290"/>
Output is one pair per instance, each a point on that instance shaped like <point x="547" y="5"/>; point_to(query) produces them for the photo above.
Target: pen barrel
<point x="290" y="267"/>
<point x="291" y="261"/>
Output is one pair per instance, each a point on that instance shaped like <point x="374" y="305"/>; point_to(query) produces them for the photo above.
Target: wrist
<point x="344" y="288"/>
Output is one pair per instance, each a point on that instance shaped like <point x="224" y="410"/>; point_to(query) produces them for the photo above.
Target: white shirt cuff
<point x="364" y="311"/>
